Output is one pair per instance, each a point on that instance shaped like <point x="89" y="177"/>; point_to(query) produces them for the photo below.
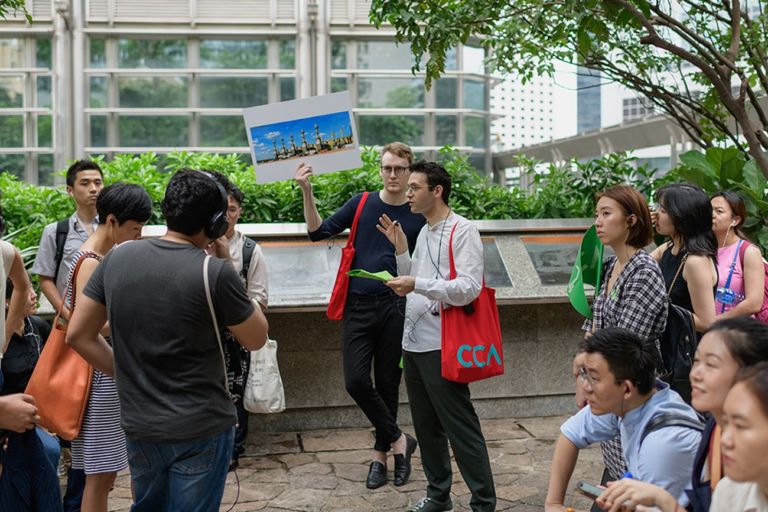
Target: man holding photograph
<point x="373" y="315"/>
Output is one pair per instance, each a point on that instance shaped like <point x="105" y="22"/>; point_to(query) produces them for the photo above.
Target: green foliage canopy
<point x="701" y="62"/>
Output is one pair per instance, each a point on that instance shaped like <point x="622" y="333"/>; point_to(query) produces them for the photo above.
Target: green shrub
<point x="566" y="191"/>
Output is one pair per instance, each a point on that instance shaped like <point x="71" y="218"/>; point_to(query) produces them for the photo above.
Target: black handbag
<point x="678" y="345"/>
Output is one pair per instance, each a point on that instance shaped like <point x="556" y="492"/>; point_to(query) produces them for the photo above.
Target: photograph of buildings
<point x="300" y="138"/>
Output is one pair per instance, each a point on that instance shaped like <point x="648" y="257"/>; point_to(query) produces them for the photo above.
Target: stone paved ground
<point x="325" y="471"/>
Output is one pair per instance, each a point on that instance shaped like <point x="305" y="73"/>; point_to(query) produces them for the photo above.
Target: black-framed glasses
<point x="398" y="170"/>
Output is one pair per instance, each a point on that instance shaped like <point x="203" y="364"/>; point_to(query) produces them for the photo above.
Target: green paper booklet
<point x="379" y="276"/>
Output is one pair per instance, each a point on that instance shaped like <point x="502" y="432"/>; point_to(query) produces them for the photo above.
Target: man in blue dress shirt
<point x="625" y="398"/>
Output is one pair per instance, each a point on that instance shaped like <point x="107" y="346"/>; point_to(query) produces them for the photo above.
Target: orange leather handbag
<point x="61" y="380"/>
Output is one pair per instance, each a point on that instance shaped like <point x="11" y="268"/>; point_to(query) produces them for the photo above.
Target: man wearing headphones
<point x="166" y="301"/>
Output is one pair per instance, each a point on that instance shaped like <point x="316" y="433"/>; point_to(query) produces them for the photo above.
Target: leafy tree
<point x="704" y="63"/>
<point x="12" y="7"/>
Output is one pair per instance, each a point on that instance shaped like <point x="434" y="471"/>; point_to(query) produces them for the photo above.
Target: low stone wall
<point x="540" y="341"/>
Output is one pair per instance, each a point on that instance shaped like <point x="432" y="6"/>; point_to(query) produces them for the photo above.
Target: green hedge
<point x="556" y="191"/>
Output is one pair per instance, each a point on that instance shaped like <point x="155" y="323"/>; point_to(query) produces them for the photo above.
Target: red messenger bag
<point x="338" y="298"/>
<point x="471" y="335"/>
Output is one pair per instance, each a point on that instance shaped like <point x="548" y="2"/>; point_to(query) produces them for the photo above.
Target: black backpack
<point x="248" y="247"/>
<point x="62" y="230"/>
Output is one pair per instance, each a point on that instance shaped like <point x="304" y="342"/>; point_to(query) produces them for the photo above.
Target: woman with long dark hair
<point x="688" y="259"/>
<point x="741" y="283"/>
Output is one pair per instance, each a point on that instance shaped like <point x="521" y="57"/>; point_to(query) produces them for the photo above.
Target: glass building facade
<point x="103" y="77"/>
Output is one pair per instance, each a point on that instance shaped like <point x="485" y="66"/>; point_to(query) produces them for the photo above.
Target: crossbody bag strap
<point x="73" y="283"/>
<point x="733" y="265"/>
<point x="679" y="269"/>
<point x="207" y="284"/>
<point x="353" y="229"/>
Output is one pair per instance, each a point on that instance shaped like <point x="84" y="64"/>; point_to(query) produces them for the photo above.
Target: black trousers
<point x="372" y="336"/>
<point x="442" y="411"/>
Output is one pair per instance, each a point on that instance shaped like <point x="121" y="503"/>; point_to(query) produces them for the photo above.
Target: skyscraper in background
<point x="588" y="100"/>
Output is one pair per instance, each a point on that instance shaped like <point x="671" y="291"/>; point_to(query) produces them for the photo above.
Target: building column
<point x="63" y="88"/>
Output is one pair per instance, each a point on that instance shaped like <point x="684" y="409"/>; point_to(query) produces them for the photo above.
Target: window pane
<point x="44" y="91"/>
<point x="445" y="93"/>
<point x="383" y="55"/>
<point x="225" y="92"/>
<point x="287" y="88"/>
<point x="338" y="54"/>
<point x="338" y="83"/>
<point x="98" y="131"/>
<point x="45" y="171"/>
<point x="475" y="131"/>
<point x="288" y="54"/>
<point x="11" y="53"/>
<point x="390" y="92"/>
<point x="98" y="93"/>
<point x="11" y="131"/>
<point x="13" y="164"/>
<point x="226" y="131"/>
<point x="473" y="60"/>
<point x="233" y="54"/>
<point x="43" y="53"/>
<point x="11" y="91"/>
<point x="44" y="131"/>
<point x="474" y="94"/>
<point x="382" y="129"/>
<point x="151" y="53"/>
<point x="451" y="62"/>
<point x="154" y="131"/>
<point x="98" y="53"/>
<point x="446" y="130"/>
<point x="477" y="160"/>
<point x="167" y="92"/>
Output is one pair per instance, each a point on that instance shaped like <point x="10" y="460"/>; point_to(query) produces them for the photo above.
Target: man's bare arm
<point x="252" y="333"/>
<point x="311" y="215"/>
<point x="48" y="287"/>
<point x="563" y="462"/>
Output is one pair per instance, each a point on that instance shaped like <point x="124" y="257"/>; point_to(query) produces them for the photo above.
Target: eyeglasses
<point x="388" y="169"/>
<point x="415" y="188"/>
<point x="585" y="378"/>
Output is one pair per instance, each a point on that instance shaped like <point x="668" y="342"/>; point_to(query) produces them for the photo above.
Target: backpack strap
<point x="670" y="419"/>
<point x="743" y="251"/>
<point x="62" y="230"/>
<point x="248" y="247"/>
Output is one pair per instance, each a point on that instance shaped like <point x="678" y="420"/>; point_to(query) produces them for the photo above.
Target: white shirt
<point x="256" y="284"/>
<point x="733" y="496"/>
<point x="431" y="268"/>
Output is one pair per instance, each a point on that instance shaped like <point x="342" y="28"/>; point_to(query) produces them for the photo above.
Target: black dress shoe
<point x="377" y="475"/>
<point x="403" y="462"/>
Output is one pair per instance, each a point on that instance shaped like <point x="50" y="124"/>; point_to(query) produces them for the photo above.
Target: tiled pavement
<point x="325" y="471"/>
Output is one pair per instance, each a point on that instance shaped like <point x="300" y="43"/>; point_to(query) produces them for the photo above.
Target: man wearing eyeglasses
<point x="659" y="432"/>
<point x="373" y="316"/>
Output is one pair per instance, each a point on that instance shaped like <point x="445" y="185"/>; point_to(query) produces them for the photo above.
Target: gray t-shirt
<point x="168" y="367"/>
<point x="45" y="261"/>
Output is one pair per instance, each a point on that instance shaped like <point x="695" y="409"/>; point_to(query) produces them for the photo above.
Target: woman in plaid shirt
<point x="632" y="294"/>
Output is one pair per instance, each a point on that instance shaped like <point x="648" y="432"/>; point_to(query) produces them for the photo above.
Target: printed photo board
<point x="318" y="131"/>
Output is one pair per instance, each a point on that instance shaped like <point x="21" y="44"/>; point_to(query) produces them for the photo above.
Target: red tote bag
<point x="471" y="335"/>
<point x="338" y="298"/>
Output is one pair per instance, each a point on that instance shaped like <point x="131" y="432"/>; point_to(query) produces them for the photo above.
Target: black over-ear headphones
<point x="218" y="224"/>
